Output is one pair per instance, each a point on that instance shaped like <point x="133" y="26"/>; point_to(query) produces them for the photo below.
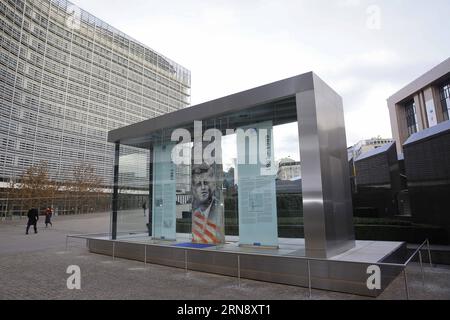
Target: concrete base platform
<point x="286" y="265"/>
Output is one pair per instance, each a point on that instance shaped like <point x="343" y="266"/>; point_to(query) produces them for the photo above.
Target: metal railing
<point x="417" y="251"/>
<point x="308" y="260"/>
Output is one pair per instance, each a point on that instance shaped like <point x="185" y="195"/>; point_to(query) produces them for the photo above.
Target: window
<point x="445" y="100"/>
<point x="411" y="117"/>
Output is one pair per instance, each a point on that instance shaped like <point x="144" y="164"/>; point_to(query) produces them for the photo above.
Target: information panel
<point x="164" y="193"/>
<point x="256" y="186"/>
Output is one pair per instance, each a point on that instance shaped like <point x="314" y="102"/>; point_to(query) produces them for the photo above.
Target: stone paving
<point x="34" y="267"/>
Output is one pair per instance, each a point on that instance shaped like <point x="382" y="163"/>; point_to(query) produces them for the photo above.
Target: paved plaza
<point x="34" y="267"/>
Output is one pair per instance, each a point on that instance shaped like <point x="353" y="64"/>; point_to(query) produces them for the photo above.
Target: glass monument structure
<point x="232" y="211"/>
<point x="228" y="148"/>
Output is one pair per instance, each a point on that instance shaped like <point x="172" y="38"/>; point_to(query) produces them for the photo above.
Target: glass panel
<point x="445" y="100"/>
<point x="208" y="182"/>
<point x="164" y="193"/>
<point x="208" y="223"/>
<point x="183" y="194"/>
<point x="256" y="181"/>
<point x="288" y="181"/>
<point x="133" y="200"/>
<point x="411" y="117"/>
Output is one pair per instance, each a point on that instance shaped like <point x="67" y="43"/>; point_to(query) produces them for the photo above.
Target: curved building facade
<point x="66" y="79"/>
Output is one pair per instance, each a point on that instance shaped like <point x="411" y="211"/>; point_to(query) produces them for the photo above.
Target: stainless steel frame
<point x="318" y="109"/>
<point x="327" y="205"/>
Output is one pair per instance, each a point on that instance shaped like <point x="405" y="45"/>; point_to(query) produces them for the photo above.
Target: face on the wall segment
<point x="202" y="186"/>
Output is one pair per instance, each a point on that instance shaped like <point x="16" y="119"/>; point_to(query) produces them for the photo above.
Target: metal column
<point x="150" y="193"/>
<point x="115" y="199"/>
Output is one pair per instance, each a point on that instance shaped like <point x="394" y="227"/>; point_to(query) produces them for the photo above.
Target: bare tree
<point x="85" y="186"/>
<point x="83" y="192"/>
<point x="34" y="187"/>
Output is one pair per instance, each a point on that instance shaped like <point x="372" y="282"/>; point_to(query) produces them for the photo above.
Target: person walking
<point x="48" y="216"/>
<point x="144" y="206"/>
<point x="33" y="217"/>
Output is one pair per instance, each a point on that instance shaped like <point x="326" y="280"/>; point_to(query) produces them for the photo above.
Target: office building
<point x="66" y="79"/>
<point x="289" y="169"/>
<point x="364" y="146"/>
<point x="422" y="104"/>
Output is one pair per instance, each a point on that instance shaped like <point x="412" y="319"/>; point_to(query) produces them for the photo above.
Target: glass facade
<point x="243" y="195"/>
<point x="444" y="92"/>
<point x="411" y="117"/>
<point x="67" y="78"/>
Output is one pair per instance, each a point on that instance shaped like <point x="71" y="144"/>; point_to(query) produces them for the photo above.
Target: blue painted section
<point x="194" y="245"/>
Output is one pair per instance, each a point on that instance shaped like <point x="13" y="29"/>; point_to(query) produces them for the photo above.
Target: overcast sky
<point x="365" y="50"/>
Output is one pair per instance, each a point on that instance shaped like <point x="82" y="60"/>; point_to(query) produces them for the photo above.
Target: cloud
<point x="286" y="143"/>
<point x="372" y="117"/>
<point x="231" y="46"/>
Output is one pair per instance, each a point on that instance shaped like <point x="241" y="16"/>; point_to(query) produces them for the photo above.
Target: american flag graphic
<point x="204" y="230"/>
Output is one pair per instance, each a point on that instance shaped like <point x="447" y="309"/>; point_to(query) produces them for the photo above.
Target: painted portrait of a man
<point x="207" y="208"/>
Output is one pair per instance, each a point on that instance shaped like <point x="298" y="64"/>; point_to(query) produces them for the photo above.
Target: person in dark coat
<point x="48" y="217"/>
<point x="33" y="217"/>
<point x="144" y="206"/>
